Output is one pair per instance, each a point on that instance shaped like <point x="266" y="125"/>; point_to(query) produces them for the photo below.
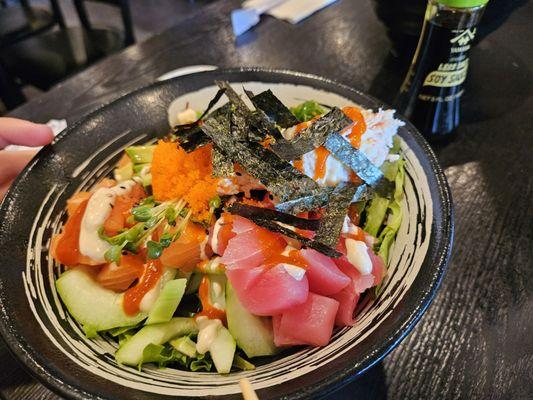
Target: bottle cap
<point x="463" y="3"/>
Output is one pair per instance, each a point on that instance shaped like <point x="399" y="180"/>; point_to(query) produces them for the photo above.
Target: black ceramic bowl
<point x="37" y="329"/>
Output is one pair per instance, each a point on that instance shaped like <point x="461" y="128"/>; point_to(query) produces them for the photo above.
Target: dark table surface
<point x="476" y="339"/>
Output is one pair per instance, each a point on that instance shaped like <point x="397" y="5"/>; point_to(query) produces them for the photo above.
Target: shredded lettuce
<point x="394" y="220"/>
<point x="375" y="214"/>
<point x="384" y="216"/>
<point x="307" y="110"/>
<point x="164" y="355"/>
<point x="201" y="363"/>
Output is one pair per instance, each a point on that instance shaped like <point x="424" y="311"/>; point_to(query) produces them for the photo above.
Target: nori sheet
<point x="313" y="136"/>
<point x="331" y="222"/>
<point x="260" y="213"/>
<point x="222" y="165"/>
<point x="191" y="136"/>
<point x="275" y="227"/>
<point x="279" y="176"/>
<point x="258" y="124"/>
<point x="273" y="108"/>
<point x="319" y="199"/>
<point x="307" y="203"/>
<point x="359" y="163"/>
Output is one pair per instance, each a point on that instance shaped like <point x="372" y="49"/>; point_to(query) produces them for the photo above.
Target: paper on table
<point x="296" y="10"/>
<point x="249" y="15"/>
<point x="57" y="125"/>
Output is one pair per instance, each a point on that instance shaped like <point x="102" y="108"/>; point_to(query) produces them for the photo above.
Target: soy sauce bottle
<point x="431" y="92"/>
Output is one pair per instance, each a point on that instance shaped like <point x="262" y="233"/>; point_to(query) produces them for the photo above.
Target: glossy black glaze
<point x="475" y="341"/>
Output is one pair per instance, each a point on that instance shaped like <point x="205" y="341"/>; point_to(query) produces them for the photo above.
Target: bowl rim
<point x="334" y="381"/>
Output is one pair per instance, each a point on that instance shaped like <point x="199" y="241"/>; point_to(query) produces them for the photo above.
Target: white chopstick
<point x="248" y="392"/>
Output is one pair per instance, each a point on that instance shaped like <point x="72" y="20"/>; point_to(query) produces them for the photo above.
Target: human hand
<point x="25" y="133"/>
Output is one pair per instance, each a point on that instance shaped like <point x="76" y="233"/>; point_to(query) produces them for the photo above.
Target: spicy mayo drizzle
<point x="68" y="248"/>
<point x="208" y="310"/>
<point x="134" y="295"/>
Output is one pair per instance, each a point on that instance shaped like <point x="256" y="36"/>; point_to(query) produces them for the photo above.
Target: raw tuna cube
<point x="361" y="282"/>
<point x="310" y="323"/>
<point x="324" y="276"/>
<point x="279" y="339"/>
<point x="347" y="299"/>
<point x="251" y="248"/>
<point x="272" y="292"/>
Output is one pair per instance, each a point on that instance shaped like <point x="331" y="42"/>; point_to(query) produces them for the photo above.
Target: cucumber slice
<point x="91" y="305"/>
<point x="140" y="154"/>
<point x="167" y="302"/>
<point x="253" y="334"/>
<point x="123" y="173"/>
<point x="185" y="345"/>
<point x="137" y="168"/>
<point x="222" y="351"/>
<point x="131" y="352"/>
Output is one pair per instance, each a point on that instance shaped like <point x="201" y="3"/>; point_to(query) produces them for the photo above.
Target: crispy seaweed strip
<point x="307" y="203"/>
<point x="259" y="124"/>
<point x="362" y="193"/>
<point x="259" y="213"/>
<point x="319" y="199"/>
<point x="313" y="136"/>
<point x="331" y="222"/>
<point x="191" y="136"/>
<point x="192" y="139"/>
<point x="280" y="177"/>
<point x="313" y="244"/>
<point x="273" y="108"/>
<point x="222" y="166"/>
<point x="359" y="163"/>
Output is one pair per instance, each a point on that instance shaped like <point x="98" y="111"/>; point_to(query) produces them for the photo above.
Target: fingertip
<point x="42" y="134"/>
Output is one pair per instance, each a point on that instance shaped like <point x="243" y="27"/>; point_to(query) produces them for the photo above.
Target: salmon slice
<point x="116" y="220"/>
<point x="120" y="277"/>
<point x="186" y="252"/>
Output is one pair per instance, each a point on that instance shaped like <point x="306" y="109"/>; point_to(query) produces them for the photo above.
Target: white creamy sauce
<point x="217" y="292"/>
<point x="214" y="236"/>
<point x="207" y="332"/>
<point x="186" y="116"/>
<point x="217" y="289"/>
<point x="348" y="227"/>
<point x="203" y="255"/>
<point x="357" y="254"/>
<point x="98" y="209"/>
<point x="297" y="273"/>
<point x="287" y="250"/>
<point x="149" y="299"/>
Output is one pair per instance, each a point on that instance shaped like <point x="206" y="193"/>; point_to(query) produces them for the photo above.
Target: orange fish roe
<point x="178" y="174"/>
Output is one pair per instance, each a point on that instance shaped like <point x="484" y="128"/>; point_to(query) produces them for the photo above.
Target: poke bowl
<point x="54" y="333"/>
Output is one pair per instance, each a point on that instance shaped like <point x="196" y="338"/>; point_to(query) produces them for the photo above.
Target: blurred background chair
<point x="37" y="49"/>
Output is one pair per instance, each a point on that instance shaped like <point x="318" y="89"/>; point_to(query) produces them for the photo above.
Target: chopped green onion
<point x="155" y="249"/>
<point x="166" y="239"/>
<point x="214" y="202"/>
<point x="113" y="254"/>
<point x="171" y="215"/>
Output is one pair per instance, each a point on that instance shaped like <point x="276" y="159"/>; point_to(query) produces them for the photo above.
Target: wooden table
<point x="476" y="339"/>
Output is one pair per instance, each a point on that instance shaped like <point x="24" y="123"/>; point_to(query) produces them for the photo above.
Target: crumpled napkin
<point x="295" y="11"/>
<point x="292" y="11"/>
